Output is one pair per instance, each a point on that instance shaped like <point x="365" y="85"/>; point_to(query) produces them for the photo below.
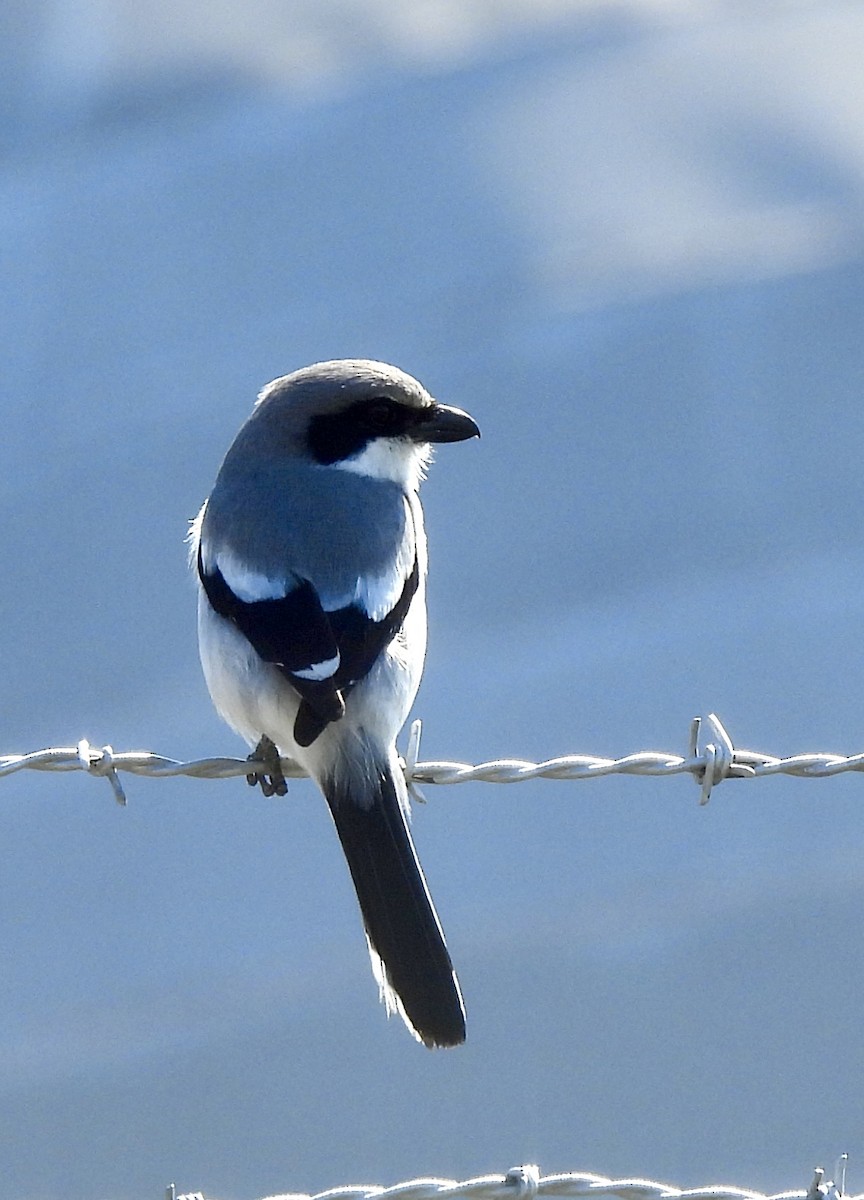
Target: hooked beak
<point x="442" y="423"/>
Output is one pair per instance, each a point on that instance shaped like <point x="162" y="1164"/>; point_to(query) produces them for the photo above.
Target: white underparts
<point x="396" y="459"/>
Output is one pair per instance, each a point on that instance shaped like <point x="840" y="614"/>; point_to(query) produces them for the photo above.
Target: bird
<point x="311" y="561"/>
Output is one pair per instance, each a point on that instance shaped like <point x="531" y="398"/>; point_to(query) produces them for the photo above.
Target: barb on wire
<point x="709" y="763"/>
<point x="527" y="1182"/>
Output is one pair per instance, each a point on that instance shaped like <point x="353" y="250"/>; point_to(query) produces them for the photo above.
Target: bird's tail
<point x="410" y="959"/>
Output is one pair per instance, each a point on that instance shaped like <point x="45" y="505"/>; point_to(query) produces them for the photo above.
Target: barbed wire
<point x="709" y="762"/>
<point x="526" y="1183"/>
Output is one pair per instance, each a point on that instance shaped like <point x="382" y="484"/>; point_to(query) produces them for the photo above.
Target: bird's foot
<point x="271" y="779"/>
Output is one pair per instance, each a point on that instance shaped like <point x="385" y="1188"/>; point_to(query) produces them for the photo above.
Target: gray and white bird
<point x="311" y="560"/>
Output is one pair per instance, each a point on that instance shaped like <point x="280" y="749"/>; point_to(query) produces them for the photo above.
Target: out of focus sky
<point x="629" y="238"/>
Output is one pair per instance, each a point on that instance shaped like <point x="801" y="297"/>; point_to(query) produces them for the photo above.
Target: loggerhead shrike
<point x="311" y="560"/>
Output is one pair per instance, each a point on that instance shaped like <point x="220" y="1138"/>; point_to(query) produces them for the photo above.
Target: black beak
<point x="441" y="423"/>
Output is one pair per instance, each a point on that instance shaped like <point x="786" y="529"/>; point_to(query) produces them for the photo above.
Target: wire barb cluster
<point x="710" y="762"/>
<point x="526" y="1183"/>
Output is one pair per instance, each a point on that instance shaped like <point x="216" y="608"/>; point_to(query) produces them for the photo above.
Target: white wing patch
<point x="375" y="595"/>
<point x="319" y="671"/>
<point x="246" y="584"/>
<point x="378" y="595"/>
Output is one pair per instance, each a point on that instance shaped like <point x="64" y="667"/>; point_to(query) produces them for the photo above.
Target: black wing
<point x="295" y="634"/>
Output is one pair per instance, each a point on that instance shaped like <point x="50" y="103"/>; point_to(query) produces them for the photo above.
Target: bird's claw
<point x="271" y="779"/>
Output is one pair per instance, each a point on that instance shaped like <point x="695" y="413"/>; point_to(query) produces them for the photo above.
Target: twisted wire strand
<point x="526" y="1183"/>
<point x="710" y="762"/>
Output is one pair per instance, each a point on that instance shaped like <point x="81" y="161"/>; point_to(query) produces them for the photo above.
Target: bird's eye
<point x="382" y="417"/>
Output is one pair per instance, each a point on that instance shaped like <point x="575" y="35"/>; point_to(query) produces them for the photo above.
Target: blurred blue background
<point x="629" y="238"/>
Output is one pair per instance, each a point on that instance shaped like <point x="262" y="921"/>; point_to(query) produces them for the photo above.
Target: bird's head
<point x="361" y="416"/>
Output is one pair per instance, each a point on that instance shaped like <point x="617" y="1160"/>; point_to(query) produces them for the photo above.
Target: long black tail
<point x="409" y="956"/>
